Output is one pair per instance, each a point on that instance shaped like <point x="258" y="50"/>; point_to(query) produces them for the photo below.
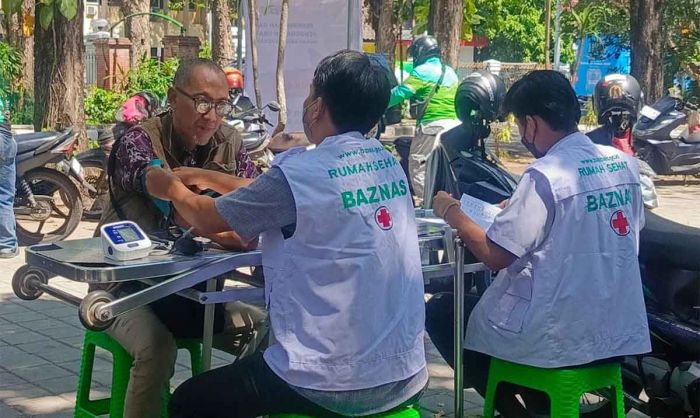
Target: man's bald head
<point x="184" y="73"/>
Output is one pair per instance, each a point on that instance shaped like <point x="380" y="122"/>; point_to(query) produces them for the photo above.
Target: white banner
<point x="316" y="29"/>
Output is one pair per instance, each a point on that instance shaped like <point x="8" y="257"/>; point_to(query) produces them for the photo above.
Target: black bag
<point x="417" y="107"/>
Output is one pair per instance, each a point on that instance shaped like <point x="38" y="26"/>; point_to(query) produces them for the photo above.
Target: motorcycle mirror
<point x="274" y="106"/>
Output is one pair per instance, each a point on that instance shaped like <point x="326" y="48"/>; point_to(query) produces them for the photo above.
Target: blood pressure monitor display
<point x="123" y="233"/>
<point x="124" y="241"/>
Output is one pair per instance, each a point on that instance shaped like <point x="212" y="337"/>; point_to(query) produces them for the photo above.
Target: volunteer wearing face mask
<point x="569" y="291"/>
<point x="342" y="267"/>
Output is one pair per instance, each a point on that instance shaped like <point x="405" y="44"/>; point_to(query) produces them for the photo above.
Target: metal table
<point x="83" y="261"/>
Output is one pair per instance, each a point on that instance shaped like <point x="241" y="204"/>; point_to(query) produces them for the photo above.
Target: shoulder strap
<point x="436" y="87"/>
<point x="110" y="169"/>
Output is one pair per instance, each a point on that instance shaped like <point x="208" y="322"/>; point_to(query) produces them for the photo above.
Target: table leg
<point x="459" y="329"/>
<point x="208" y="336"/>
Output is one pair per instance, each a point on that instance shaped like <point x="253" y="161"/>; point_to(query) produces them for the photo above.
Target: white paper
<point x="483" y="213"/>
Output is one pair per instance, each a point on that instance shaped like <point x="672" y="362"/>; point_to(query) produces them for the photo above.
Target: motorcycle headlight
<point x="677" y="132"/>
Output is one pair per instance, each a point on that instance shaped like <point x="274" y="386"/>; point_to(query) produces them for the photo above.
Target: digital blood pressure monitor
<point x="124" y="240"/>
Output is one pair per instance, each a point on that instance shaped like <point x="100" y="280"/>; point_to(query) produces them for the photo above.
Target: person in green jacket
<point x="428" y="69"/>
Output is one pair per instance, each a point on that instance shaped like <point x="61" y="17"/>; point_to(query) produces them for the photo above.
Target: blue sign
<point x="601" y="56"/>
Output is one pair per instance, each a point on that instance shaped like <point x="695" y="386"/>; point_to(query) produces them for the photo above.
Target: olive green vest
<point x="224" y="147"/>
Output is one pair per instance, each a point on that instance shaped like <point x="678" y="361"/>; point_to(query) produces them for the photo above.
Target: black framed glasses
<point x="203" y="105"/>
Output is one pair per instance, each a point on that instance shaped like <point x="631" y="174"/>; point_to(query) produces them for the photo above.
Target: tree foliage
<point x="10" y="68"/>
<point x="515" y="29"/>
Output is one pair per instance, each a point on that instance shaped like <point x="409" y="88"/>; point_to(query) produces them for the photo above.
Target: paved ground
<point x="40" y="340"/>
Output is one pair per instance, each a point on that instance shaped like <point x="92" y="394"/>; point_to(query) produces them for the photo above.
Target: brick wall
<point x="112" y="61"/>
<point x="183" y="47"/>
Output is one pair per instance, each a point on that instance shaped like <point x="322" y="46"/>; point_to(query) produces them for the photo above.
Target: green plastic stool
<point x="121" y="366"/>
<point x="564" y="386"/>
<point x="412" y="411"/>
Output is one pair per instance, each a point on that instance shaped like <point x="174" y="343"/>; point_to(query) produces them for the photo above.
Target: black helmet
<point x="617" y="92"/>
<point x="422" y="48"/>
<point x="481" y="91"/>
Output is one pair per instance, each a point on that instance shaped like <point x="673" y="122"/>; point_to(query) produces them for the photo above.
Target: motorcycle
<point x="256" y="140"/>
<point x="48" y="204"/>
<point x="666" y="382"/>
<point x="663" y="139"/>
<point x="462" y="164"/>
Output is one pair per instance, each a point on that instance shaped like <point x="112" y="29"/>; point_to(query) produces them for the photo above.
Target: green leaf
<point x="11" y="7"/>
<point x="68" y="8"/>
<point x="46" y="16"/>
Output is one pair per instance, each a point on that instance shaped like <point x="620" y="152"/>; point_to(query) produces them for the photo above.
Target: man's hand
<point x="161" y="183"/>
<point x="442" y="203"/>
<point x="192" y="177"/>
<point x="472" y="234"/>
<point x="503" y="204"/>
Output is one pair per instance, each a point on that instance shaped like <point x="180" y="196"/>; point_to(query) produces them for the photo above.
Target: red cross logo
<point x="619" y="223"/>
<point x="383" y="218"/>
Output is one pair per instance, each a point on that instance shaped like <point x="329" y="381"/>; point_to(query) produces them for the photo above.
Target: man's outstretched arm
<point x="197" y="210"/>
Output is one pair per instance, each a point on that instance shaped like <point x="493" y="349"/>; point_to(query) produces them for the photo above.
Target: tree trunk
<point x="16" y="38"/>
<point x="446" y="17"/>
<point x="577" y="62"/>
<point x="547" y="32"/>
<point x="646" y="34"/>
<point x="281" y="96"/>
<point x="59" y="75"/>
<point x="253" y="28"/>
<point x="372" y="8"/>
<point x="28" y="49"/>
<point x="221" y="45"/>
<point x="385" y="33"/>
<point x="137" y="29"/>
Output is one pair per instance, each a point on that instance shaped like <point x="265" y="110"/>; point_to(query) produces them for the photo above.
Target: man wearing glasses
<point x="189" y="134"/>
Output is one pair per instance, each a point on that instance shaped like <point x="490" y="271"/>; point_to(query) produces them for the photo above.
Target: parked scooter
<point x="663" y="138"/>
<point x="256" y="140"/>
<point x="461" y="163"/>
<point x="47" y="203"/>
<point x="669" y="376"/>
<point x="617" y="100"/>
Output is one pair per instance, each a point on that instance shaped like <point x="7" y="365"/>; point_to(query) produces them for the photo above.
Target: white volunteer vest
<point x="345" y="292"/>
<point x="578" y="297"/>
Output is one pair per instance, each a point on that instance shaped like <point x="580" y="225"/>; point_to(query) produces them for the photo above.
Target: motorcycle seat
<point x="32" y="141"/>
<point x="284" y="141"/>
<point x="691" y="139"/>
<point x="674" y="245"/>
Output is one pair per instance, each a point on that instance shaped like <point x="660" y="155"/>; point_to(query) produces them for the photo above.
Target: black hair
<point x="547" y="94"/>
<point x="355" y="90"/>
<point x="184" y="71"/>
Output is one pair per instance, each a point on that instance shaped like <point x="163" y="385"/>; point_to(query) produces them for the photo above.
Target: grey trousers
<point x="422" y="146"/>
<point x="153" y="348"/>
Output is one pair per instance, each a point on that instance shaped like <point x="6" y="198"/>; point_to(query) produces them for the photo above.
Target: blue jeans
<point x="8" y="152"/>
